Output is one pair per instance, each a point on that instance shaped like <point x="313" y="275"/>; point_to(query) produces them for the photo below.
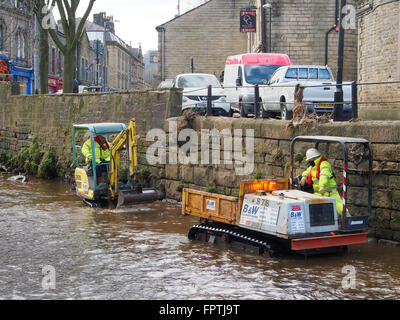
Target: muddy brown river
<point x="54" y="247"/>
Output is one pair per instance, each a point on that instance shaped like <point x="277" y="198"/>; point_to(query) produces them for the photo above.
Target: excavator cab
<point x="97" y="180"/>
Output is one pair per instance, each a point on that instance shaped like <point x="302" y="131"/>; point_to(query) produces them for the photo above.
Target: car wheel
<point x="263" y="113"/>
<point x="285" y="114"/>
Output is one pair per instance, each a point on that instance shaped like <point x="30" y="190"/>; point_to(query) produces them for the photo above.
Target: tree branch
<point x="64" y="19"/>
<point x="57" y="41"/>
<point x="82" y="22"/>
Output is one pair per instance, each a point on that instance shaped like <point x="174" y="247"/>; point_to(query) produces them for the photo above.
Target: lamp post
<point x="269" y="7"/>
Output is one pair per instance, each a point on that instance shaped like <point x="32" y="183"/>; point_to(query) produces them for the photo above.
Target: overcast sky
<point x="138" y="18"/>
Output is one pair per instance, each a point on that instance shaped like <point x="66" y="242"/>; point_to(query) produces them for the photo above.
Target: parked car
<point x="167" y="83"/>
<point x="319" y="92"/>
<point x="195" y="91"/>
<point x="242" y="72"/>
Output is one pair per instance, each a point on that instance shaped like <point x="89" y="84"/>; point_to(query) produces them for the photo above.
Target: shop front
<point x="22" y="75"/>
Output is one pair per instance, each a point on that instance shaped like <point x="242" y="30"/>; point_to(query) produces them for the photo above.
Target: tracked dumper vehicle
<point x="272" y="218"/>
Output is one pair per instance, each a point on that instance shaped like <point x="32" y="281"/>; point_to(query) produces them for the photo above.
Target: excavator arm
<point x="126" y="139"/>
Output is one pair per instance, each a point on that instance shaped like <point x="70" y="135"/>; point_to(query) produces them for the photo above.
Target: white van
<point x="243" y="71"/>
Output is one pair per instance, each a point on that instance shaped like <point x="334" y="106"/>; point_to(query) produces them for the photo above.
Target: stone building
<point x="211" y="32"/>
<point x="136" y="77"/>
<point x="208" y="34"/>
<point x="379" y="57"/>
<point x="125" y="69"/>
<point x="86" y="63"/>
<point x="123" y="66"/>
<point x="299" y="30"/>
<point x="16" y="41"/>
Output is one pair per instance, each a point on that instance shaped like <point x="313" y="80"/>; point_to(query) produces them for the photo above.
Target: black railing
<point x="208" y="102"/>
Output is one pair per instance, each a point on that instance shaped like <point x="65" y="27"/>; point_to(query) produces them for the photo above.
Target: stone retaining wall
<point x="49" y="118"/>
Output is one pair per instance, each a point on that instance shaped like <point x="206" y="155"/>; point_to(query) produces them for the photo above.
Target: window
<point x="313" y="73"/>
<point x="303" y="73"/>
<point x="83" y="69"/>
<point x="324" y="74"/>
<point x="18" y="46"/>
<point x="22" y="47"/>
<point x="291" y="73"/>
<point x="53" y="57"/>
<point x="1" y="37"/>
<point x="59" y="61"/>
<point x="240" y="73"/>
<point x="259" y="74"/>
<point x="198" y="81"/>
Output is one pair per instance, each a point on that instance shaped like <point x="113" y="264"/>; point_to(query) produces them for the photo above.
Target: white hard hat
<point x="312" y="154"/>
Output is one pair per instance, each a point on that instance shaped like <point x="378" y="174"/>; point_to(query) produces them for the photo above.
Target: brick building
<point x="379" y="56"/>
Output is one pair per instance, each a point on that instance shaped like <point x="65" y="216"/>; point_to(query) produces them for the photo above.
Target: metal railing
<point x="257" y="102"/>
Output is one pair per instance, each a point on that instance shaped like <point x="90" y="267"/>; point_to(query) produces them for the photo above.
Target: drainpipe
<point x="263" y="33"/>
<point x="334" y="27"/>
<point x="162" y="30"/>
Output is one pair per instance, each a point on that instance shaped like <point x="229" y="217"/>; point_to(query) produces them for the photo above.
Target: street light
<point x="269" y="7"/>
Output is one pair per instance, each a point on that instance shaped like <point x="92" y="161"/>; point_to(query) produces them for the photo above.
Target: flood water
<point x="145" y="254"/>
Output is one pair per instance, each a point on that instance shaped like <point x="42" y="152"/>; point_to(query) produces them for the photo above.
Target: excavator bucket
<point x="129" y="197"/>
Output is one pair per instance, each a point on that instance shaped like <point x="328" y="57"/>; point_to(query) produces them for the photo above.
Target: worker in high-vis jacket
<point x="101" y="150"/>
<point x="320" y="175"/>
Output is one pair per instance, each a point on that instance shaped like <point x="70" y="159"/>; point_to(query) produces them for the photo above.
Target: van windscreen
<point x="259" y="74"/>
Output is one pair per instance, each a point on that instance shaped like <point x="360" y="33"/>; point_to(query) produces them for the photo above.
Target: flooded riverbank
<point x="145" y="254"/>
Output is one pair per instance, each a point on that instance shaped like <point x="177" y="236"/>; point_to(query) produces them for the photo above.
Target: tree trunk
<point x="68" y="72"/>
<point x="43" y="60"/>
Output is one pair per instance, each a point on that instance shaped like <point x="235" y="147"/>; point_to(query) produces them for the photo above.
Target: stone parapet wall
<point x="49" y="118"/>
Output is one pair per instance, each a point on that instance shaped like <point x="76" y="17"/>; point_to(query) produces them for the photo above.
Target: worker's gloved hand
<point x="303" y="181"/>
<point x="322" y="190"/>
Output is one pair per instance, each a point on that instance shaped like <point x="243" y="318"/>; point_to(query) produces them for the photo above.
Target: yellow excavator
<point x="101" y="188"/>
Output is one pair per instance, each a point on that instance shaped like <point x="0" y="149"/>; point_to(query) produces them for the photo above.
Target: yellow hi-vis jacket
<point x="326" y="184"/>
<point x="101" y="155"/>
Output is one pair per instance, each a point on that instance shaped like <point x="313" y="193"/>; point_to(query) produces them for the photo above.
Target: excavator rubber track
<point x="235" y="238"/>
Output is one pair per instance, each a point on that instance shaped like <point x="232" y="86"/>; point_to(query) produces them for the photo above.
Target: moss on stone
<point x="48" y="166"/>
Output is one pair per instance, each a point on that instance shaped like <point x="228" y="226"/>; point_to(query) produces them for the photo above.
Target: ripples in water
<point x="145" y="254"/>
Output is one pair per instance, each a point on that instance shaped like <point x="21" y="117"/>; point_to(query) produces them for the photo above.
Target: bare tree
<point x="72" y="33"/>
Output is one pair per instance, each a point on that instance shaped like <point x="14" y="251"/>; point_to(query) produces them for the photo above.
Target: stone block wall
<point x="49" y="118"/>
<point x="208" y="33"/>
<point x="298" y="29"/>
<point x="379" y="55"/>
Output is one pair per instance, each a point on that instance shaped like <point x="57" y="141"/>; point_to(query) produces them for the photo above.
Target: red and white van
<point x="243" y="71"/>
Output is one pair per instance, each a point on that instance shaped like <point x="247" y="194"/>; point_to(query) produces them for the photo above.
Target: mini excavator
<point x="107" y="189"/>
